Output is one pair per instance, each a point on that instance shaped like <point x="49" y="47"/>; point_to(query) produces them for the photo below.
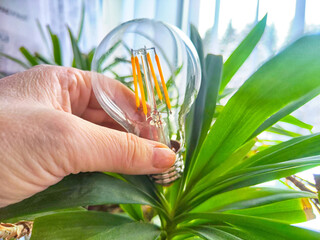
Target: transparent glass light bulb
<point x="160" y="66"/>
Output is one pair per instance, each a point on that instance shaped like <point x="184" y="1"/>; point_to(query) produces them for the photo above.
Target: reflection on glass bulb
<point x="161" y="69"/>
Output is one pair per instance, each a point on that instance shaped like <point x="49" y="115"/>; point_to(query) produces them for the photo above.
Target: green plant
<point x="217" y="196"/>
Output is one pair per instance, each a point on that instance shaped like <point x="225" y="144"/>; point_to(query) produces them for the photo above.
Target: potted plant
<point x="217" y="196"/>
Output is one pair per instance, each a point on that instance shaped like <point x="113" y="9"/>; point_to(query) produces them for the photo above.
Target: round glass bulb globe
<point x="161" y="71"/>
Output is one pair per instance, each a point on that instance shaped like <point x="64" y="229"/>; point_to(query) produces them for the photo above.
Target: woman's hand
<point x="51" y="125"/>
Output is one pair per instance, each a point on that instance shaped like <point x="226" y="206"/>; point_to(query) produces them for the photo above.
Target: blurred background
<point x="221" y="23"/>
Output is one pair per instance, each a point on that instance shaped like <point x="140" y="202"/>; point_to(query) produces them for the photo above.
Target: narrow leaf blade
<point x="242" y="52"/>
<point x="16" y="60"/>
<point x="133" y="210"/>
<point x="55" y="47"/>
<point x="79" y="61"/>
<point x="31" y="59"/>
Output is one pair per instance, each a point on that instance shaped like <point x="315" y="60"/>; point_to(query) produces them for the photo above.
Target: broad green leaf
<point x="299" y="147"/>
<point x="31" y="217"/>
<point x="285" y="111"/>
<point x="143" y="183"/>
<point x="186" y="236"/>
<point x="55" y="47"/>
<point x="242" y="52"/>
<point x="133" y="210"/>
<point x="213" y="68"/>
<point x="295" y="121"/>
<point x="244" y="178"/>
<point x="79" y="61"/>
<point x="16" y="60"/>
<point x="212" y="233"/>
<point x="240" y="232"/>
<point x="78" y="225"/>
<point x="270" y="228"/>
<point x="290" y="211"/>
<point x="79" y="190"/>
<point x="30" y="58"/>
<point x="273" y="87"/>
<point x="249" y="197"/>
<point x="236" y="158"/>
<point x="130" y="231"/>
<point x="264" y="173"/>
<point x="206" y="101"/>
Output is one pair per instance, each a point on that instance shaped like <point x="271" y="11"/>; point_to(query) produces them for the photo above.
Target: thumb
<point x="102" y="149"/>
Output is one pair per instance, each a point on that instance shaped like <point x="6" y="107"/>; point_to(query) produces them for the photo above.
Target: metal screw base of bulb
<point x="173" y="173"/>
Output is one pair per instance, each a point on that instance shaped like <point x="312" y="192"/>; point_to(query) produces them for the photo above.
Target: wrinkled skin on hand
<point x="51" y="125"/>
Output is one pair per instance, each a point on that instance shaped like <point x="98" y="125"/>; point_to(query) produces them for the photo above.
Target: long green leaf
<point x="299" y="147"/>
<point x="143" y="183"/>
<point x="43" y="36"/>
<point x="79" y="190"/>
<point x="295" y="121"/>
<point x="244" y="178"/>
<point x="213" y="68"/>
<point x="290" y="211"/>
<point x="80" y="62"/>
<point x="31" y="59"/>
<point x="194" y="120"/>
<point x="237" y="158"/>
<point x="205" y="105"/>
<point x="248" y="198"/>
<point x="265" y="228"/>
<point x="281" y="131"/>
<point x="78" y="225"/>
<point x="211" y="233"/>
<point x="55" y="47"/>
<point x="16" y="60"/>
<point x="132" y="231"/>
<point x="242" y="52"/>
<point x="32" y="217"/>
<point x="285" y="111"/>
<point x="264" y="173"/>
<point x="286" y="78"/>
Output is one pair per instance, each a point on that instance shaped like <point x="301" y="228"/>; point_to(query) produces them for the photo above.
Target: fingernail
<point x="163" y="157"/>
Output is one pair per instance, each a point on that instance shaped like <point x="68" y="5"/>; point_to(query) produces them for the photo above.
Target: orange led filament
<point x="135" y="82"/>
<point x="143" y="97"/>
<point x="154" y="77"/>
<point x="166" y="95"/>
<point x="136" y="66"/>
